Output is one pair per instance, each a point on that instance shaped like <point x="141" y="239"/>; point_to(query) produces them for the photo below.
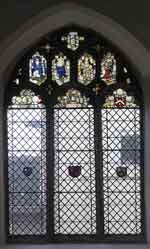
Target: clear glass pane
<point x="121" y="170"/>
<point x="74" y="194"/>
<point x="27" y="169"/>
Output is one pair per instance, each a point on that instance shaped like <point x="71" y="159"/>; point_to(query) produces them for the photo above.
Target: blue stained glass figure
<point x="38" y="68"/>
<point x="60" y="66"/>
<point x="60" y="69"/>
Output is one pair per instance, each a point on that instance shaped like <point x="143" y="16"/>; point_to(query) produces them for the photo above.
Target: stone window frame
<point x="54" y="18"/>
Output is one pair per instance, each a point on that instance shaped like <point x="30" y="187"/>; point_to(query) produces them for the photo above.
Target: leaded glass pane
<point x="37" y="69"/>
<point x="121" y="170"/>
<point x="60" y="69"/>
<point x="86" y="69"/>
<point x="74" y="187"/>
<point x="26" y="166"/>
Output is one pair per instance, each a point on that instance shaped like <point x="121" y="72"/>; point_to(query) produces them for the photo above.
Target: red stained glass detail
<point x="74" y="171"/>
<point x="120" y="101"/>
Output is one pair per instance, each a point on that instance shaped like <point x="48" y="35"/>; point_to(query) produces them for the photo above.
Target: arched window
<point x="75" y="143"/>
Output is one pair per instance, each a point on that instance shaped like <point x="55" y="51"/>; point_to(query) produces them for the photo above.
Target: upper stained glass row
<point x="60" y="69"/>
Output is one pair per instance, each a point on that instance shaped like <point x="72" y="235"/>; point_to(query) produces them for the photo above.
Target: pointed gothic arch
<point x="132" y="49"/>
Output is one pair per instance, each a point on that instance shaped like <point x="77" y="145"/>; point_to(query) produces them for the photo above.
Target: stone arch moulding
<point x="57" y="17"/>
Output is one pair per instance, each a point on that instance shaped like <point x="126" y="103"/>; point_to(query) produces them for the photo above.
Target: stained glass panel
<point x="86" y="69"/>
<point x="26" y="99"/>
<point x="37" y="69"/>
<point x="108" y="68"/>
<point x="73" y="98"/>
<point x="75" y="151"/>
<point x="61" y="69"/>
<point x="120" y="99"/>
<point x="73" y="40"/>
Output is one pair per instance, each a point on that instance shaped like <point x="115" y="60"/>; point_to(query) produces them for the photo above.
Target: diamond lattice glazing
<point x="121" y="148"/>
<point x="27" y="171"/>
<point x="74" y="197"/>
